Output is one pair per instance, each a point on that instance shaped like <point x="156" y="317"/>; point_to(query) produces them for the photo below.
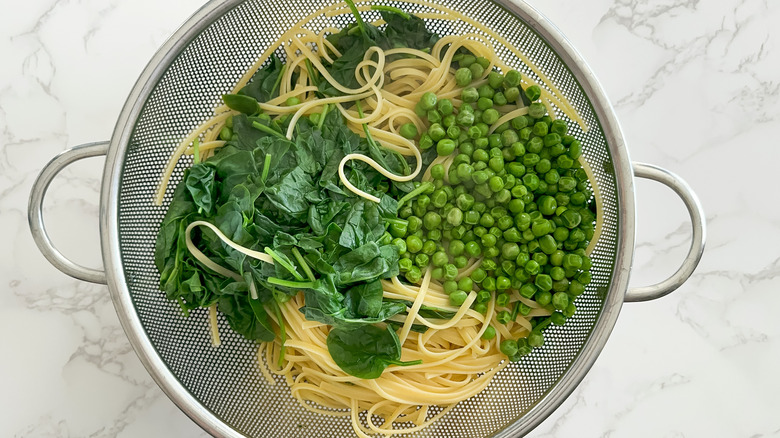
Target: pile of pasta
<point x="456" y="362"/>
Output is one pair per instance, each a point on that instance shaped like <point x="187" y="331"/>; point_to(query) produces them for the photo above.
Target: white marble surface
<point x="696" y="85"/>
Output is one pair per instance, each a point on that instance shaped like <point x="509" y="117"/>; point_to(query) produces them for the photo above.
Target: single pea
<point x="433" y="116"/>
<point x="414" y="244"/>
<point x="542" y="167"/>
<point x="484" y="62"/>
<point x="400" y="244"/>
<point x="504" y="317"/>
<point x="543" y="282"/>
<point x="463" y="76"/>
<point x="512" y="78"/>
<point x="436" y="132"/>
<point x="469" y="95"/>
<point x="532" y="267"/>
<point x="576" y="288"/>
<point x="450" y="286"/>
<point x="476" y="70"/>
<point x="540" y="129"/>
<point x="465" y="118"/>
<point x="490" y="116"/>
<point x="502" y="300"/>
<point x="415" y="223"/>
<point x="510" y="250"/>
<point x="488" y="240"/>
<point x="414" y="275"/>
<point x="421" y="260"/>
<point x="458" y="297"/>
<point x="398" y="229"/>
<point x="455" y="217"/>
<point x="226" y="133"/>
<point x="445" y="147"/>
<point x="453" y="132"/>
<point x="496" y="164"/>
<point x="456" y="248"/>
<point x="503" y="196"/>
<point x="445" y="107"/>
<point x="489" y="333"/>
<point x="513" y="235"/>
<point x="535" y="339"/>
<point x="481" y="143"/>
<point x="537" y="110"/>
<point x="560" y="300"/>
<point x="481" y="308"/>
<point x="489" y="284"/>
<point x="547" y="205"/>
<point x="495" y="183"/>
<point x="484" y="103"/>
<point x="431" y="220"/>
<point x="500" y="99"/>
<point x="439" y="258"/>
<point x="510" y="137"/>
<point x="531" y="181"/>
<point x="478" y="275"/>
<point x="512" y="94"/>
<point x="466" y="284"/>
<point x="467" y="60"/>
<point x="533" y="93"/>
<point x="571" y="219"/>
<point x="450" y="271"/>
<point x="575" y="150"/>
<point x="429" y="247"/>
<point x="437" y="274"/>
<point x="515" y="169"/>
<point x="543" y="298"/>
<point x="504" y="222"/>
<point x="495" y="79"/>
<point x="426" y="142"/>
<point x="585" y="277"/>
<point x="508" y="347"/>
<point x="473" y="249"/>
<point x="428" y="101"/>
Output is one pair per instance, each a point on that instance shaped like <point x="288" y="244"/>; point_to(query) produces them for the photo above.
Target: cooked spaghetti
<point x="449" y="348"/>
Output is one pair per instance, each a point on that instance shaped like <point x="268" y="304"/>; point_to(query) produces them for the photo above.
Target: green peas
<point x="508" y="347"/>
<point x="428" y="101"/>
<point x="464" y="171"/>
<point x="504" y="317"/>
<point x="540" y="129"/>
<point x="434" y="235"/>
<point x="431" y="220"/>
<point x="512" y="78"/>
<point x="480" y="176"/>
<point x="572" y="261"/>
<point x="512" y="94"/>
<point x="541" y="227"/>
<point x="560" y="300"/>
<point x="458" y="297"/>
<point x="450" y="271"/>
<point x="463" y="76"/>
<point x="510" y="250"/>
<point x="502" y="300"/>
<point x="488" y="240"/>
<point x="495" y="79"/>
<point x="499" y="99"/>
<point x="426" y="142"/>
<point x="489" y="333"/>
<point x="576" y="288"/>
<point x="414" y="244"/>
<point x="531" y="181"/>
<point x="547" y="205"/>
<point x="398" y="230"/>
<point x="536" y="110"/>
<point x="434" y="116"/>
<point x="226" y="133"/>
<point x="414" y="275"/>
<point x="533" y="93"/>
<point x="484" y="103"/>
<point x="489" y="284"/>
<point x="543" y="282"/>
<point x="532" y="267"/>
<point x="455" y="217"/>
<point x="559" y="127"/>
<point x="542" y="167"/>
<point x="437" y="274"/>
<point x="516" y="206"/>
<point x="478" y="275"/>
<point x="557" y="273"/>
<point x="414" y="224"/>
<point x="450" y="286"/>
<point x="453" y="132"/>
<point x="474" y="132"/>
<point x="528" y="290"/>
<point x="495" y="183"/>
<point x="292" y="101"/>
<point x="400" y="243"/>
<point x="535" y="339"/>
<point x="547" y="244"/>
<point x="505" y="222"/>
<point x="440" y="259"/>
<point x="471" y="217"/>
<point x="465" y="118"/>
<point x="570" y="218"/>
<point x="429" y="247"/>
<point x="567" y="184"/>
<point x="466" y="284"/>
<point x="575" y="150"/>
<point x="456" y="248"/>
<point x="421" y="260"/>
<point x="445" y="107"/>
<point x="513" y="235"/>
<point x="509" y="137"/>
<point x="473" y="249"/>
<point x="515" y="169"/>
<point x="476" y="70"/>
<point x="543" y="298"/>
<point x="468" y="95"/>
<point x="436" y="132"/>
<point x="445" y="147"/>
<point x="490" y="116"/>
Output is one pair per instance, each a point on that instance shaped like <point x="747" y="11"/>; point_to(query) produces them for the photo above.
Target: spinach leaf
<point x="201" y="185"/>
<point x="264" y="84"/>
<point x="404" y="30"/>
<point x="241" y="103"/>
<point x="365" y="351"/>
<point x="244" y="317"/>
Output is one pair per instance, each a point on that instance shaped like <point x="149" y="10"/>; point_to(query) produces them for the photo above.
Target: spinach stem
<point x="283" y="263"/>
<point x="356" y="13"/>
<point x="266" y="167"/>
<point x="268" y="130"/>
<point x="325" y="110"/>
<point x="278" y="81"/>
<point x="312" y="73"/>
<point x="282" y="331"/>
<point x="303" y="263"/>
<point x="365" y="126"/>
<point x="291" y="284"/>
<point x="196" y="150"/>
<point x="416" y="192"/>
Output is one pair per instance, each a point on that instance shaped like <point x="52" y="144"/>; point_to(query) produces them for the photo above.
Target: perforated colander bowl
<point x="221" y="388"/>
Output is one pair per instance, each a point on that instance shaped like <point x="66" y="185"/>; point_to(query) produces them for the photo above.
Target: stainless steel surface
<point x="221" y="388"/>
<point x="35" y="211"/>
<point x="698" y="223"/>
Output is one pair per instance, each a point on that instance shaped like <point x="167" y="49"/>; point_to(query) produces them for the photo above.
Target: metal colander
<point x="222" y="388"/>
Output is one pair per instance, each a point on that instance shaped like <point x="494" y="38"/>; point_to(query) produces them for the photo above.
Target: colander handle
<point x="696" y="212"/>
<point x="35" y="211"/>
